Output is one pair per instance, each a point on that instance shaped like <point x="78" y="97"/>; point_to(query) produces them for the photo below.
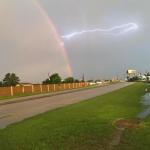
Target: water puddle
<point x="146" y="102"/>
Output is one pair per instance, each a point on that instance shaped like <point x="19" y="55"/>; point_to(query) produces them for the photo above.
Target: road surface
<point x="16" y="112"/>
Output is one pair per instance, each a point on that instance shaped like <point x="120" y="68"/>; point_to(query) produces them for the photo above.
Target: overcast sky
<point x="29" y="46"/>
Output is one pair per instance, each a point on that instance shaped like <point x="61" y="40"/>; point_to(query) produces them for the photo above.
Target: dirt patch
<point x="126" y="124"/>
<point x="122" y="125"/>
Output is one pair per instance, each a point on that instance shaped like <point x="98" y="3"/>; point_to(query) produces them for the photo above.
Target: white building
<point x="132" y="73"/>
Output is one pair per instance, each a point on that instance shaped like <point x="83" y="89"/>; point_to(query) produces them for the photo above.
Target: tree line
<point x="56" y="79"/>
<point x="11" y="79"/>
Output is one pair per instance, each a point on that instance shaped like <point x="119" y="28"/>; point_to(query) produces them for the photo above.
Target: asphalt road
<point x="16" y="112"/>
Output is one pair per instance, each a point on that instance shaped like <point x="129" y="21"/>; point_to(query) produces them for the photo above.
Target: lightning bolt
<point x="117" y="30"/>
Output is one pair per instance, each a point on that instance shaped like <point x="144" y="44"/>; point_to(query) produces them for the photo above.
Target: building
<point x="24" y="84"/>
<point x="132" y="73"/>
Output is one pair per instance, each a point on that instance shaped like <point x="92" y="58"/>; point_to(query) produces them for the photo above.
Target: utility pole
<point x="83" y="78"/>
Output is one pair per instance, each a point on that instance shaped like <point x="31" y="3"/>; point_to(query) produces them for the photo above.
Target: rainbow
<point x="57" y="36"/>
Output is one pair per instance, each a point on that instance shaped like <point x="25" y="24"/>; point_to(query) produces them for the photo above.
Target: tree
<point x="76" y="81"/>
<point x="55" y="78"/>
<point x="11" y="79"/>
<point x="133" y="79"/>
<point x="90" y="81"/>
<point x="69" y="80"/>
<point x="47" y="81"/>
<point x="1" y="83"/>
<point x="147" y="76"/>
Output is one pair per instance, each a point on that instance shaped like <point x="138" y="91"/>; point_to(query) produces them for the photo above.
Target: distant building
<point x="132" y="73"/>
<point x="99" y="82"/>
<point x="92" y="83"/>
<point x="24" y="84"/>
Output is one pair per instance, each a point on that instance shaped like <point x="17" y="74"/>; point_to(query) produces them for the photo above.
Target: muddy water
<point x="146" y="102"/>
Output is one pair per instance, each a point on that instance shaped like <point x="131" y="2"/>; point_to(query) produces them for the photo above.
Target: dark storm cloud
<point x="98" y="55"/>
<point x="25" y="39"/>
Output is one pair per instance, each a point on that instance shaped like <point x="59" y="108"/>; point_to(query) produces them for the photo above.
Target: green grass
<point x="83" y="126"/>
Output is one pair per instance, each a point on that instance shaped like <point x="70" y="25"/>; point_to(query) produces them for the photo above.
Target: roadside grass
<point x="137" y="139"/>
<point x="83" y="126"/>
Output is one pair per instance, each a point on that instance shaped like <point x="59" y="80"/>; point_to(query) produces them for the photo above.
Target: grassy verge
<point x="83" y="126"/>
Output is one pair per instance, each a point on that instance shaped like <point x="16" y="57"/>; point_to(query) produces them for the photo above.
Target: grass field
<point x="83" y="126"/>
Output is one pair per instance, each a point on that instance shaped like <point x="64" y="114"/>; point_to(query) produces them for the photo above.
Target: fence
<point x="33" y="89"/>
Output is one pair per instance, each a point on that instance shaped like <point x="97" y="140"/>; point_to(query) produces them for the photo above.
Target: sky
<point x="34" y="43"/>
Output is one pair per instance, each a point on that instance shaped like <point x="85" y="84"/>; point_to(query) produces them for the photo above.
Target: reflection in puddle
<point x="145" y="102"/>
